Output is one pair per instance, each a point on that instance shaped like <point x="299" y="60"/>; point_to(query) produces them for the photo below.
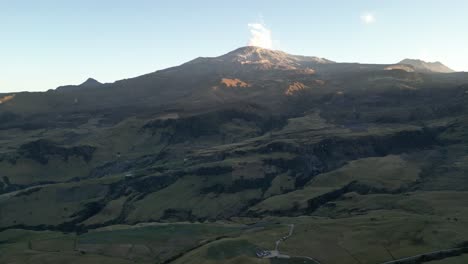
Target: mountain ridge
<point x="424" y="66"/>
<point x="265" y="74"/>
<point x="89" y="83"/>
<point x="257" y="58"/>
<point x="262" y="58"/>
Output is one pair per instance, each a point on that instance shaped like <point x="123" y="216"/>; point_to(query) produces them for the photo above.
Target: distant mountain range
<point x="264" y="76"/>
<point x="255" y="58"/>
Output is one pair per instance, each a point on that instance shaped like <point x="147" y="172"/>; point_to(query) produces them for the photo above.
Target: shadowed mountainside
<point x="241" y="146"/>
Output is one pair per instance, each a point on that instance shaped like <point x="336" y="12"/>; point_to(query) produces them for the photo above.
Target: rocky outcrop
<point x="6" y="186"/>
<point x="210" y="124"/>
<point x="41" y="150"/>
<point x="120" y="166"/>
<point x="332" y="153"/>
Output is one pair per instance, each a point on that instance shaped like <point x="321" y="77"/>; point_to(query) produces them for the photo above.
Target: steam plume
<point x="260" y="36"/>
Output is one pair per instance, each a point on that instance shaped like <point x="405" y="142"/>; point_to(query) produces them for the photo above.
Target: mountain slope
<point x="423" y="66"/>
<point x="212" y="160"/>
<point x="265" y="59"/>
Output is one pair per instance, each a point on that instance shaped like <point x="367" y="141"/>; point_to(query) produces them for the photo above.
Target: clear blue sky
<point x="47" y="43"/>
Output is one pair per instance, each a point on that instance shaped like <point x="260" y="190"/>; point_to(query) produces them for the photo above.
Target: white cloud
<point x="368" y="18"/>
<point x="260" y="36"/>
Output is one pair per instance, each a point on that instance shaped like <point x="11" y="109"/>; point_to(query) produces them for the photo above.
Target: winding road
<point x="276" y="252"/>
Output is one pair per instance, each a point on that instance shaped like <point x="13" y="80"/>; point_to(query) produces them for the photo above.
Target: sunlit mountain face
<point x="255" y="156"/>
<point x="423" y="66"/>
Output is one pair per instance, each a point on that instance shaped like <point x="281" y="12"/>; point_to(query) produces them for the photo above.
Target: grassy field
<point x="122" y="244"/>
